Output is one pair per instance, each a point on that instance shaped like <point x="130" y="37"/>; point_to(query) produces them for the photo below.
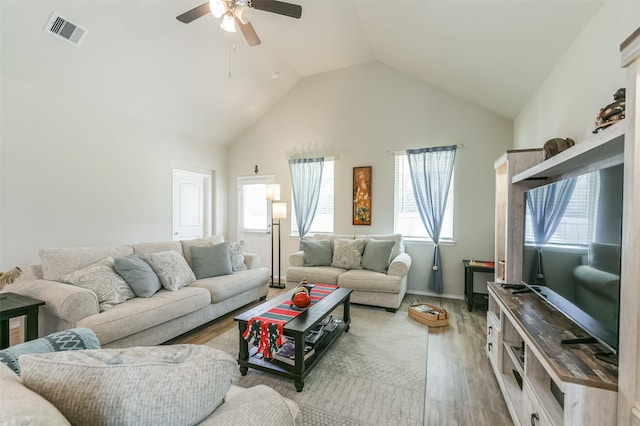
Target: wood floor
<point x="461" y="388"/>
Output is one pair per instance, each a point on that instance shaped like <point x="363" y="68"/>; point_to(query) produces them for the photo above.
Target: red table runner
<point x="266" y="330"/>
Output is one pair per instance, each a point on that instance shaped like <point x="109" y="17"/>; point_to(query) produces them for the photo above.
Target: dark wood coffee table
<point x="15" y="305"/>
<point x="297" y="328"/>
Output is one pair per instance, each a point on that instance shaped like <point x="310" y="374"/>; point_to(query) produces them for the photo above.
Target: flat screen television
<point x="573" y="231"/>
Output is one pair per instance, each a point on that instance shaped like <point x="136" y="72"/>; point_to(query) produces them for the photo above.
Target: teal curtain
<point x="306" y="177"/>
<point x="431" y="170"/>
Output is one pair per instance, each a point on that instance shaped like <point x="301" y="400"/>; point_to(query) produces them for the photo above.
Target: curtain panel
<point x="306" y="177"/>
<point x="431" y="170"/>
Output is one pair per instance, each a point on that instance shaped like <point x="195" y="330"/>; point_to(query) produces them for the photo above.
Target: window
<point x="323" y="220"/>
<point x="578" y="224"/>
<point x="406" y="215"/>
<point x="254" y="214"/>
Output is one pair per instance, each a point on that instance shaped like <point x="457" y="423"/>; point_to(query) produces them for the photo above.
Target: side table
<point x="14" y="305"/>
<point x="471" y="266"/>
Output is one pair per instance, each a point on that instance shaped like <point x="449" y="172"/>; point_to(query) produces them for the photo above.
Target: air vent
<point x="61" y="27"/>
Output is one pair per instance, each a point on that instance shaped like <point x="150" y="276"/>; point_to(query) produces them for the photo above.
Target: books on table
<point x="287" y="352"/>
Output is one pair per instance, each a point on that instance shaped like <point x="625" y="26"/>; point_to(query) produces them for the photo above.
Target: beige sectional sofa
<point x="385" y="286"/>
<point x="138" y="320"/>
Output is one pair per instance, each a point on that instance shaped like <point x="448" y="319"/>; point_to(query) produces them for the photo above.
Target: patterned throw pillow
<point x="236" y="251"/>
<point x="347" y="254"/>
<point x="171" y="268"/>
<point x="68" y="340"/>
<point x="102" y="280"/>
<point x="153" y="385"/>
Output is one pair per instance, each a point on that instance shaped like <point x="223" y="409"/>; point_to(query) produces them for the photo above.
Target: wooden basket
<point x="428" y="314"/>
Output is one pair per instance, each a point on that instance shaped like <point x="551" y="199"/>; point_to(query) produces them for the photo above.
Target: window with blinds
<point x="578" y="225"/>
<point x="406" y="216"/>
<point x="323" y="220"/>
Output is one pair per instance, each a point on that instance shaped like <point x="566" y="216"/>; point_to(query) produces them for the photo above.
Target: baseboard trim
<point x="432" y="294"/>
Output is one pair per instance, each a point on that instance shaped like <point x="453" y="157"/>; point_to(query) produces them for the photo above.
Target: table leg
<point x="4" y="333"/>
<point x="346" y="317"/>
<point x="31" y="329"/>
<point x="243" y="351"/>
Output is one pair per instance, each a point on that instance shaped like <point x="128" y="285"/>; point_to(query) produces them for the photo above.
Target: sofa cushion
<point x="211" y="261"/>
<point x="67" y="340"/>
<point x="314" y="274"/>
<point x="397" y="248"/>
<point x="143" y="313"/>
<point x="377" y="254"/>
<point x="370" y="281"/>
<point x="198" y="242"/>
<point x="62" y="261"/>
<point x="236" y="254"/>
<point x="138" y="274"/>
<point x="317" y="253"/>
<point x="347" y="254"/>
<point x="154" y="385"/>
<point x="224" y="287"/>
<point x="171" y="268"/>
<point x="110" y="288"/>
<point x="22" y="406"/>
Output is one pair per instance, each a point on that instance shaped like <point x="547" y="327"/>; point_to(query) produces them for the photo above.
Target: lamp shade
<point x="273" y="191"/>
<point x="217" y="8"/>
<point x="279" y="210"/>
<point x="228" y="23"/>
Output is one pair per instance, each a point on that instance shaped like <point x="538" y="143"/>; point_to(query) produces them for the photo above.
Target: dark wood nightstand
<point x="14" y="305"/>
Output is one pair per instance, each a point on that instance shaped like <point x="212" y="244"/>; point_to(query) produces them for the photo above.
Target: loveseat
<point x="66" y="378"/>
<point x="375" y="267"/>
<point x="151" y="315"/>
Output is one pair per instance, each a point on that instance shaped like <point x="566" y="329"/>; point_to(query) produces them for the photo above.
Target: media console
<point x="546" y="382"/>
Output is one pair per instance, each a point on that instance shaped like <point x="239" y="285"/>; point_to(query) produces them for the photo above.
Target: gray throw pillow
<point x="211" y="261"/>
<point x="236" y="256"/>
<point x="317" y="252"/>
<point x="377" y="254"/>
<point x="138" y="274"/>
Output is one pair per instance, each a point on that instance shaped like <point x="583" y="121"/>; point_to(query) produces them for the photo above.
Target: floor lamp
<point x="273" y="194"/>
<point x="278" y="211"/>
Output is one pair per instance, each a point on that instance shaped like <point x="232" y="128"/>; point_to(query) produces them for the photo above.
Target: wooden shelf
<point x="603" y="148"/>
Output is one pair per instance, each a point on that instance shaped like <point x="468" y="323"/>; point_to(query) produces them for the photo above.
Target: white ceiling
<point x="140" y="61"/>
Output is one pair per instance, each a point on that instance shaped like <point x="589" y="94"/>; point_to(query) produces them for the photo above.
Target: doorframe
<point x="209" y="194"/>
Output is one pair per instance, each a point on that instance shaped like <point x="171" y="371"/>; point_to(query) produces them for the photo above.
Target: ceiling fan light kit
<point x="237" y="13"/>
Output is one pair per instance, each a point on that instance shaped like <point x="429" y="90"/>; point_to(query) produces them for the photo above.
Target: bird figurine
<point x="9" y="277"/>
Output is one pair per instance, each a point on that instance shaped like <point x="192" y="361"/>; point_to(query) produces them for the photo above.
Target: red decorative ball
<point x="301" y="297"/>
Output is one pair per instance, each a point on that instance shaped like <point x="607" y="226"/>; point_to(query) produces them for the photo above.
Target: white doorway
<point x="191" y="204"/>
<point x="254" y="217"/>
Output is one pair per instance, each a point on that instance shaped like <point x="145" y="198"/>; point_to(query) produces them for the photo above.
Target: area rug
<point x="373" y="375"/>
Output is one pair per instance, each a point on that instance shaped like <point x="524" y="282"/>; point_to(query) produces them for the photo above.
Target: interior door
<point x="254" y="217"/>
<point x="190" y="204"/>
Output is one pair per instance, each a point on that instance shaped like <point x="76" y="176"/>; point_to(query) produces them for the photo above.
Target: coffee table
<point x="15" y="305"/>
<point x="297" y="329"/>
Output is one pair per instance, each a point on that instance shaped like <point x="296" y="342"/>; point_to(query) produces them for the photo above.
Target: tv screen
<point x="573" y="231"/>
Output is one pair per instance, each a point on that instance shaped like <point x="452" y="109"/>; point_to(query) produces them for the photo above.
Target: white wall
<point x="582" y="82"/>
<point x="361" y="114"/>
<point x="73" y="173"/>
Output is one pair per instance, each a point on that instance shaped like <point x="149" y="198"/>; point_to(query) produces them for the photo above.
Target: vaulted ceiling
<point x="200" y="81"/>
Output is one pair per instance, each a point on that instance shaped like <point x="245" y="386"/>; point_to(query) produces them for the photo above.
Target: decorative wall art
<point x="362" y="195"/>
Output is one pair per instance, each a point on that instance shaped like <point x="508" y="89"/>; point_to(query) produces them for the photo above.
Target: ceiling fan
<point x="236" y="13"/>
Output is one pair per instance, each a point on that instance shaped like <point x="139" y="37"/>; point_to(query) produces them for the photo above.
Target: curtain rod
<point x="460" y="146"/>
<point x="334" y="158"/>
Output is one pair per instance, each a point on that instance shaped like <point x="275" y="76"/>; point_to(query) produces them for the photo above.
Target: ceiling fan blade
<point x="248" y="32"/>
<point x="279" y="7"/>
<point x="194" y="13"/>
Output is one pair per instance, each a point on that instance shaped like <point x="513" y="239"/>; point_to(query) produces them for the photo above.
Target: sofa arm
<point x="252" y="260"/>
<point x="399" y="266"/>
<point x="258" y="405"/>
<point x="65" y="301"/>
<point x="296" y="259"/>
